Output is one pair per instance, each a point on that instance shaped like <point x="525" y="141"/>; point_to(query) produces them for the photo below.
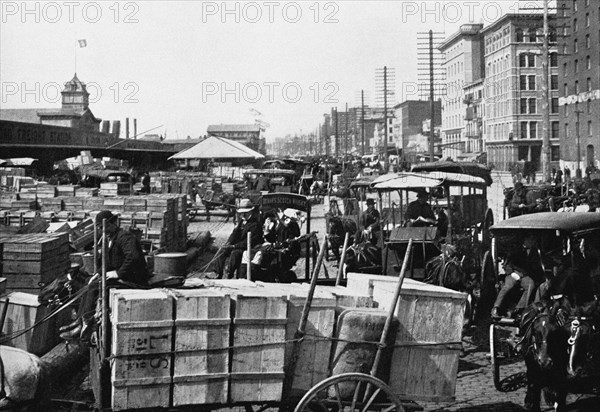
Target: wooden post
<point x="392" y="310"/>
<point x="95" y="247"/>
<point x="342" y="258"/>
<point x="382" y="241"/>
<point x="307" y="262"/>
<point x="104" y="294"/>
<point x="249" y="252"/>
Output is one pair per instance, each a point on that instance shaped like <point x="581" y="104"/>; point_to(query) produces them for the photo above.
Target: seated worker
<point x="126" y="266"/>
<point x="263" y="183"/>
<point x="522" y="201"/>
<point x="419" y="212"/>
<point x="442" y="221"/>
<point x="522" y="267"/>
<point x="370" y="222"/>
<point x="248" y="222"/>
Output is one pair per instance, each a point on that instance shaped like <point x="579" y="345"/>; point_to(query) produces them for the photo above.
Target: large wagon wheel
<point x="350" y="392"/>
<point x="487" y="288"/>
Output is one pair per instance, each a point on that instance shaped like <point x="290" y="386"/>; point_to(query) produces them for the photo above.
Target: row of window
<point x="529" y="60"/>
<point x="576" y="90"/>
<point x="529" y="130"/>
<point x="576" y="23"/>
<point x="590" y="130"/>
<point x="588" y="65"/>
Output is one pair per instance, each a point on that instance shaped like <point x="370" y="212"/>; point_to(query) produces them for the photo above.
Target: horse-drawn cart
<point x="558" y="334"/>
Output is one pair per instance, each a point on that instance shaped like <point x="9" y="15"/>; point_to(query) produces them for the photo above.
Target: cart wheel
<point x="495" y="356"/>
<point x="487" y="292"/>
<point x="350" y="392"/>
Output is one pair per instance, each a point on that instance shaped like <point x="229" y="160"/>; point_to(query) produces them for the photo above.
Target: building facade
<point x="249" y="135"/>
<point x="463" y="63"/>
<point x="408" y="122"/>
<point x="579" y="100"/>
<point x="512" y="126"/>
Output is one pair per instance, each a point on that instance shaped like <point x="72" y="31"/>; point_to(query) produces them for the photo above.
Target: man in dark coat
<point x="419" y="212"/>
<point x="524" y="267"/>
<point x="126" y="265"/>
<point x="248" y="222"/>
<point x="370" y="222"/>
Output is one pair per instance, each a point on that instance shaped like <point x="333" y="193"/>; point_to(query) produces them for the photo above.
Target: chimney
<point x="116" y="128"/>
<point x="135" y="128"/>
<point x="127" y="128"/>
<point x="105" y="127"/>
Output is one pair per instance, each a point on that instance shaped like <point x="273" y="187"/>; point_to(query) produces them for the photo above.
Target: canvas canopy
<point x="218" y="148"/>
<point x="424" y="180"/>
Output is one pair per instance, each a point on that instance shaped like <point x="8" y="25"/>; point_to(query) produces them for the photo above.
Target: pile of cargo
<point x="232" y="341"/>
<point x="29" y="261"/>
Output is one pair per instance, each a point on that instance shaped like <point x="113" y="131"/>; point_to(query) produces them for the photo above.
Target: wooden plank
<point x="201" y="365"/>
<point x="257" y="362"/>
<point x="41" y="266"/>
<point x="35" y="256"/>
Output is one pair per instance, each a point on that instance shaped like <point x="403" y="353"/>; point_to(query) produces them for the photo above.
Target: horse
<point x="23" y="381"/>
<point x="546" y="357"/>
<point x="336" y="232"/>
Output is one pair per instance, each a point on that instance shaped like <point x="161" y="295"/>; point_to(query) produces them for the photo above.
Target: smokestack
<point x="105" y="127"/>
<point x="127" y="128"/>
<point x="135" y="128"/>
<point x="116" y="128"/>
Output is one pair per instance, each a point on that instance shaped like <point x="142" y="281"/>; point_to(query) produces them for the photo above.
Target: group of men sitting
<point x="273" y="240"/>
<point x="574" y="275"/>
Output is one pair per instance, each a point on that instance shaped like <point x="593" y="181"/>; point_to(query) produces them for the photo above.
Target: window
<point x="576" y="86"/>
<point x="588" y="43"/>
<point x="575" y="25"/>
<point x="563" y="9"/>
<point x="522" y="60"/>
<point x="531" y="60"/>
<point x="587" y="19"/>
<point x="554" y="82"/>
<point x="589" y="128"/>
<point x="532" y="106"/>
<point x="555" y="153"/>
<point x="565" y="67"/>
<point x="587" y="3"/>
<point x="566" y="89"/>
<point x="519" y="34"/>
<point x="523" y="130"/>
<point x="589" y="84"/>
<point x="588" y="105"/>
<point x="576" y="66"/>
<point x="574" y="5"/>
<point x="554" y="59"/>
<point x="522" y="82"/>
<point x="554" y="105"/>
<point x="531" y="81"/>
<point x="554" y="132"/>
<point x="567" y="130"/>
<point x="523" y="106"/>
<point x="575" y="46"/>
<point x="532" y="36"/>
<point x="533" y="130"/>
<point x="588" y="63"/>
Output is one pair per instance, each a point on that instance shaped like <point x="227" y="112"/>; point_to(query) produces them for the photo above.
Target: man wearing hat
<point x="419" y="212"/>
<point x="522" y="202"/>
<point x="248" y="222"/>
<point x="370" y="221"/>
<point x="125" y="263"/>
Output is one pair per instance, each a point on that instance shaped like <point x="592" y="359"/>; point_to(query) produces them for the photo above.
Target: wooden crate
<point x="257" y="357"/>
<point x="114" y="203"/>
<point x="142" y="332"/>
<point x="73" y="203"/>
<point x="348" y="298"/>
<point x="66" y="190"/>
<point x="312" y="363"/>
<point x="54" y="204"/>
<point x="201" y="364"/>
<point x="24" y="311"/>
<point x="93" y="203"/>
<point x="425" y="361"/>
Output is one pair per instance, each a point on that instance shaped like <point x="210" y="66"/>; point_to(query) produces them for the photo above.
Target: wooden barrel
<point x="170" y="264"/>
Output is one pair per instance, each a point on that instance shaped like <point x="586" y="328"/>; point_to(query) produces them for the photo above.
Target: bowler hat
<point x="105" y="214"/>
<point x="518" y="186"/>
<point x="245" y="206"/>
<point x="422" y="193"/>
<point x="370" y="201"/>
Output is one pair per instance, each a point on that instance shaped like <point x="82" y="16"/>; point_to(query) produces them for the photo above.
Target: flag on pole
<point x="82" y="43"/>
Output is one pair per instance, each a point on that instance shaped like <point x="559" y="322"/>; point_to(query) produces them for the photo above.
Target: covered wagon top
<point x="273" y="172"/>
<point x="568" y="222"/>
<point x="218" y="148"/>
<point x="425" y="180"/>
<point x="364" y="181"/>
<point x="468" y="168"/>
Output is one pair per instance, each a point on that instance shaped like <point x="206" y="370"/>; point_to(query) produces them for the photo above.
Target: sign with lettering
<point x="285" y="201"/>
<point x="579" y="98"/>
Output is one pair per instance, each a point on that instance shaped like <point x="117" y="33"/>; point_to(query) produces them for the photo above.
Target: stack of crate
<point x="6" y="200"/>
<point x="23" y="204"/>
<point x="66" y="190"/>
<point x="29" y="261"/>
<point x="54" y="204"/>
<point x="142" y="332"/>
<point x="162" y="220"/>
<point x="115" y="189"/>
<point x="73" y="203"/>
<point x="93" y="203"/>
<point x="86" y="191"/>
<point x="45" y="191"/>
<point x="115" y="204"/>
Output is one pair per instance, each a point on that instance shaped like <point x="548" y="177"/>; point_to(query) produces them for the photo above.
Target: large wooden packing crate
<point x="201" y="364"/>
<point x="257" y="356"/>
<point x="426" y="353"/>
<point x="142" y="333"/>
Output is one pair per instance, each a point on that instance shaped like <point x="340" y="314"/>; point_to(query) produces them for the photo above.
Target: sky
<point x="178" y="66"/>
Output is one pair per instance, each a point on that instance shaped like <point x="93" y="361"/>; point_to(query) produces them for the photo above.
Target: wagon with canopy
<point x="454" y="255"/>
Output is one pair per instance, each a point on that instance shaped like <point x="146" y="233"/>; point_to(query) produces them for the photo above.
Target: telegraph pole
<point x="362" y="122"/>
<point x="385" y="144"/>
<point x="431" y="98"/>
<point x="337" y="140"/>
<point x="578" y="172"/>
<point x="545" y="101"/>
<point x="346" y="132"/>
